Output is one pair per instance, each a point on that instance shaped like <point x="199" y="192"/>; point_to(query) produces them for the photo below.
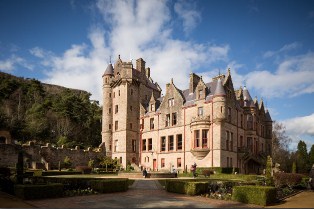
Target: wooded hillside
<point x="32" y="110"/>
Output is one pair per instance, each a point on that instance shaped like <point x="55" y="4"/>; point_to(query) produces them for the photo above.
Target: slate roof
<point x="109" y="70"/>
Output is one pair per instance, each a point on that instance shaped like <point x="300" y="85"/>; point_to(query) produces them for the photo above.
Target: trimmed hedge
<point x="226" y="170"/>
<point x="287" y="179"/>
<point x="187" y="187"/>
<point x="84" y="169"/>
<point x="110" y="185"/>
<point x="29" y="191"/>
<point x="259" y="195"/>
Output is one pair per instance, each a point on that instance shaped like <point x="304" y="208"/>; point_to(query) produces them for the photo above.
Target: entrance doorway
<point x="154" y="165"/>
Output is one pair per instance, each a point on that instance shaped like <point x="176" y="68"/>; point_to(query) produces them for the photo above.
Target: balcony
<point x="200" y="153"/>
<point x="203" y="121"/>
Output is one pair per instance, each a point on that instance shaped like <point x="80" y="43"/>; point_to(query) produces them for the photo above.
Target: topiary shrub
<point x="30" y="191"/>
<point x="110" y="185"/>
<point x="259" y="195"/>
<point x="187" y="187"/>
<point x="84" y="169"/>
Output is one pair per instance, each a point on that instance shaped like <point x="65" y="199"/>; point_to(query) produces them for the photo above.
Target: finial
<point x="119" y="56"/>
<point x="172" y="80"/>
<point x="219" y="72"/>
<point x="110" y="59"/>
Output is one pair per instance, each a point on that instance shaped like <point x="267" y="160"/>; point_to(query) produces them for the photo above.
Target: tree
<point x="302" y="158"/>
<point x="280" y="147"/>
<point x="311" y="155"/>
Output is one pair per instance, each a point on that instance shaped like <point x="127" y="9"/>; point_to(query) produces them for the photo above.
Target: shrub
<point x="84" y="169"/>
<point x="187" y="187"/>
<point x="260" y="195"/>
<point x="30" y="191"/>
<point x="110" y="185"/>
<point x="287" y="179"/>
<point x="207" y="173"/>
<point x="226" y="170"/>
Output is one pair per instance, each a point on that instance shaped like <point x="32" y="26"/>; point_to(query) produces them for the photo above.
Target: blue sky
<point x="268" y="46"/>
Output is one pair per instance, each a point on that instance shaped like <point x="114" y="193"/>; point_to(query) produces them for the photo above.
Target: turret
<point x="219" y="102"/>
<point x="107" y="110"/>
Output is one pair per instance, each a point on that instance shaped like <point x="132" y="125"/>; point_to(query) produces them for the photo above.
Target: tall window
<point x="204" y="138"/>
<point x="171" y="143"/>
<point x="133" y="145"/>
<point x="109" y="126"/>
<point x="152" y="107"/>
<point x="131" y="91"/>
<point x="167" y="120"/>
<point x="200" y="111"/>
<point x="170" y="102"/>
<point x="197" y="138"/>
<point x="179" y="163"/>
<point x="249" y="122"/>
<point x="150" y="144"/>
<point x="109" y="111"/>
<point x="174" y="119"/>
<point x="131" y="126"/>
<point x="229" y="114"/>
<point x="131" y="108"/>
<point x="120" y="160"/>
<point x="179" y="142"/>
<point x="163" y="143"/>
<point x="109" y="95"/>
<point x="241" y="120"/>
<point x="200" y="93"/>
<point x="241" y="141"/>
<point x="231" y="163"/>
<point x="116" y="109"/>
<point x="144" y="144"/>
<point x="115" y="145"/>
<point x="116" y="125"/>
<point x="162" y="162"/>
<point x="119" y="92"/>
<point x="227" y="141"/>
<point x="231" y="141"/>
<point x="142" y="125"/>
<point x="151" y="123"/>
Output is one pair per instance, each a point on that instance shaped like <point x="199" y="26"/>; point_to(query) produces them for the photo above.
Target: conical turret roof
<point x="109" y="70"/>
<point x="219" y="91"/>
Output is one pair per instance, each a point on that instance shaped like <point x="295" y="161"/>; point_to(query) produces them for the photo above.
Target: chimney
<point x="194" y="79"/>
<point x="140" y="65"/>
<point x="148" y="72"/>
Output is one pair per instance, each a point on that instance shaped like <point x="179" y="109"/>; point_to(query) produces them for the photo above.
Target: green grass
<point x="85" y="176"/>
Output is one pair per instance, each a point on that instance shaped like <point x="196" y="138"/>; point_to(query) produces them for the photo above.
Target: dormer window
<point x="152" y="107"/>
<point x="170" y="102"/>
<point x="200" y="93"/>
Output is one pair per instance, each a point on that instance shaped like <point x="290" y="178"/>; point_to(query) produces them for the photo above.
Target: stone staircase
<point x="136" y="168"/>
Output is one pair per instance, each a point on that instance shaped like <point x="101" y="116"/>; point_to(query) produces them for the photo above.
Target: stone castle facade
<point x="210" y="124"/>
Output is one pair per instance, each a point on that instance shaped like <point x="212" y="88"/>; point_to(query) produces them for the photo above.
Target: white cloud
<point x="144" y="30"/>
<point x="188" y="14"/>
<point x="284" y="49"/>
<point x="13" y="62"/>
<point x="294" y="76"/>
<point x="300" y="128"/>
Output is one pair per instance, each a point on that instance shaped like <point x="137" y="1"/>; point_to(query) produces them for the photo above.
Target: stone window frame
<point x="144" y="145"/>
<point x="163" y="142"/>
<point x="133" y="145"/>
<point x="179" y="145"/>
<point x="151" y="123"/>
<point x="205" y="139"/>
<point x="200" y="111"/>
<point x="116" y="125"/>
<point x="150" y="144"/>
<point x="116" y="109"/>
<point x="131" y="126"/>
<point x="174" y="119"/>
<point x="179" y="162"/>
<point x="229" y="114"/>
<point x="167" y="120"/>
<point x="170" y="143"/>
<point x="197" y="138"/>
<point x="115" y="147"/>
<point x="162" y="162"/>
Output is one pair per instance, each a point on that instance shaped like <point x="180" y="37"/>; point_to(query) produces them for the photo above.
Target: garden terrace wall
<point x="51" y="156"/>
<point x="149" y="175"/>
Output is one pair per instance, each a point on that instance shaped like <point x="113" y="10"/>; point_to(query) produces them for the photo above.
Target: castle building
<point x="210" y="124"/>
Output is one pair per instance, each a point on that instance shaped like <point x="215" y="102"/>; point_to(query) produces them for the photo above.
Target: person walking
<point x="193" y="169"/>
<point x="144" y="173"/>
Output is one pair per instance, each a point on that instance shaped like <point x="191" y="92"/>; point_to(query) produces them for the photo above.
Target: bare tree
<point x="280" y="147"/>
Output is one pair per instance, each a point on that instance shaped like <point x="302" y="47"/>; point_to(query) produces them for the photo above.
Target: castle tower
<point x="107" y="110"/>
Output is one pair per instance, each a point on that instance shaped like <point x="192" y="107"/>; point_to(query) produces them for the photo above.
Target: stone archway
<point x="5" y="137"/>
